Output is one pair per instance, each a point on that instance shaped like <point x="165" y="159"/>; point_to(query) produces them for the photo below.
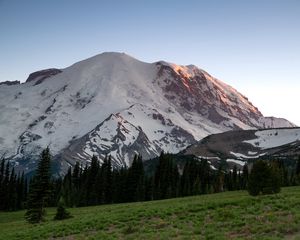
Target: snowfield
<point x="274" y="138"/>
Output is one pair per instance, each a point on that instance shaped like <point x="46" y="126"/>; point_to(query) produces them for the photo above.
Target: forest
<point x="99" y="183"/>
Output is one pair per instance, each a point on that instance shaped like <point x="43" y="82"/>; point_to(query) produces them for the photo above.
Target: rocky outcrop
<point x="40" y="76"/>
<point x="10" y="83"/>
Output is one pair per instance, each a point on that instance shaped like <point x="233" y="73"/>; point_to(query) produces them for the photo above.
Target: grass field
<point x="229" y="215"/>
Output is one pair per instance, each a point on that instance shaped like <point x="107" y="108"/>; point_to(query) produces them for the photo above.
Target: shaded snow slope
<point x="274" y="138"/>
<point x="249" y="144"/>
<point x="57" y="107"/>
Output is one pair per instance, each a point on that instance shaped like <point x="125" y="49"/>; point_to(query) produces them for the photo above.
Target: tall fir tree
<point x="39" y="190"/>
<point x="135" y="180"/>
<point x="264" y="178"/>
<point x="5" y="188"/>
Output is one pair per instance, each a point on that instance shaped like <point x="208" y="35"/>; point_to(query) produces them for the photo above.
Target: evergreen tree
<point x="2" y="192"/>
<point x="12" y="191"/>
<point x="20" y="191"/>
<point x="298" y="167"/>
<point x="166" y="178"/>
<point x="135" y="180"/>
<point x="120" y="193"/>
<point x="107" y="180"/>
<point x="297" y="172"/>
<point x="5" y="188"/>
<point x="61" y="212"/>
<point x="67" y="189"/>
<point x="245" y="177"/>
<point x="219" y="180"/>
<point x="264" y="178"/>
<point x="89" y="185"/>
<point x="39" y="189"/>
<point x="234" y="178"/>
<point x="205" y="176"/>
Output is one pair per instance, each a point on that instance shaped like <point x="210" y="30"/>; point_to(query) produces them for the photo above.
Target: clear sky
<point x="252" y="45"/>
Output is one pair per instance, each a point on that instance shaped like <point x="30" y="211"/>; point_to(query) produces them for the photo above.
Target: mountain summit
<point x="115" y="104"/>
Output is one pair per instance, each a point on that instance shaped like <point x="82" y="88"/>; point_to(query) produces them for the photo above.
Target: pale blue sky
<point x="252" y="45"/>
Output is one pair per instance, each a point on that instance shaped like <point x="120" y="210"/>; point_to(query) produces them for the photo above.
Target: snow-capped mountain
<point x="114" y="104"/>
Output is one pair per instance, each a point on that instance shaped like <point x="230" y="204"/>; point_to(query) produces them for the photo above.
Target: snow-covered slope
<point x="242" y="145"/>
<point x="272" y="122"/>
<point x="274" y="138"/>
<point x="90" y="106"/>
<point x="138" y="129"/>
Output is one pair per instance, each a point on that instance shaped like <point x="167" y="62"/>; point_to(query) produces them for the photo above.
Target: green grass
<point x="229" y="215"/>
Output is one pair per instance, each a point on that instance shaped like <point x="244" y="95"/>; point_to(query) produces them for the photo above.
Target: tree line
<point x="97" y="183"/>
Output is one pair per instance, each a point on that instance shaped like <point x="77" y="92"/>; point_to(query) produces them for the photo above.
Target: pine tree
<point x="204" y="172"/>
<point x="39" y="189"/>
<point x="219" y="180"/>
<point x="107" y="180"/>
<point x="245" y="177"/>
<point x="12" y="192"/>
<point x="2" y="188"/>
<point x="234" y="178"/>
<point x="20" y="189"/>
<point x="90" y="188"/>
<point x="67" y="189"/>
<point x="135" y="180"/>
<point x="61" y="212"/>
<point x="76" y="184"/>
<point x="264" y="178"/>
<point x="166" y="178"/>
<point x="5" y="188"/>
<point x="297" y="172"/>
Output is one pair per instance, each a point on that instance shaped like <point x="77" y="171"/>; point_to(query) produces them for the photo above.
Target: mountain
<point x="240" y="146"/>
<point x="115" y="104"/>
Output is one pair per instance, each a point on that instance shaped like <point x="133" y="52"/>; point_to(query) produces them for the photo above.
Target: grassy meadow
<point x="228" y="215"/>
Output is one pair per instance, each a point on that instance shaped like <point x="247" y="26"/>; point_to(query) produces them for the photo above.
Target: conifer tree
<point x="234" y="178"/>
<point x="135" y="180"/>
<point x="39" y="189"/>
<point x="245" y="176"/>
<point x="264" y="178"/>
<point x="90" y="185"/>
<point x="61" y="212"/>
<point x="12" y="191"/>
<point x="20" y="189"/>
<point x="107" y="180"/>
<point x="297" y="172"/>
<point x="219" y="180"/>
<point x="67" y="189"/>
<point x="2" y="190"/>
<point x="76" y="184"/>
<point x="165" y="178"/>
<point x="5" y="188"/>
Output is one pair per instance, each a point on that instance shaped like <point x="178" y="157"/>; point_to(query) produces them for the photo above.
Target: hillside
<point x="237" y="147"/>
<point x="228" y="215"/>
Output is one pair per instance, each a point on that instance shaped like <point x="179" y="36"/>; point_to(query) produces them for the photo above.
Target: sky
<point x="252" y="45"/>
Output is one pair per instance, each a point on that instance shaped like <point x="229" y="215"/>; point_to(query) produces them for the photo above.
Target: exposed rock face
<point x="40" y="76"/>
<point x="195" y="90"/>
<point x="114" y="104"/>
<point x="9" y="83"/>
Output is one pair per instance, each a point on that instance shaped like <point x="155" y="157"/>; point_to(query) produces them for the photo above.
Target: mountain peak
<point x="109" y="57"/>
<point x="174" y="105"/>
